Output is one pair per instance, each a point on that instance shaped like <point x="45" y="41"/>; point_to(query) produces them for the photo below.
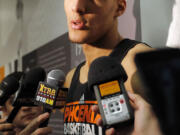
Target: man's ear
<point x="121" y="7"/>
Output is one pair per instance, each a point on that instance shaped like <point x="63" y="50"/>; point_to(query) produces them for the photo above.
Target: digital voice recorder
<point x="106" y="77"/>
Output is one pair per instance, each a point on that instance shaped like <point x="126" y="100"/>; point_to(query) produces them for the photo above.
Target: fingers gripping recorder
<point x="106" y="77"/>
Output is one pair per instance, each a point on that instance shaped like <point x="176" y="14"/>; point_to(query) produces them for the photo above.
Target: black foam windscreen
<point x="32" y="79"/>
<point x="34" y="76"/>
<point x="17" y="75"/>
<point x="8" y="87"/>
<point x="28" y="86"/>
<point x="105" y="69"/>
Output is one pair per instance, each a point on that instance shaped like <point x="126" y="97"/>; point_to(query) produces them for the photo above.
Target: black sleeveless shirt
<point x="78" y="117"/>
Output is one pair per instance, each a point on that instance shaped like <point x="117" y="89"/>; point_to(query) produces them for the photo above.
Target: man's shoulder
<point x="128" y="48"/>
<point x="141" y="47"/>
<point x="129" y="64"/>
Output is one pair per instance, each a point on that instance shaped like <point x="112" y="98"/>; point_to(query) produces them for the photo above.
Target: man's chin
<point x="76" y="41"/>
<point x="78" y="38"/>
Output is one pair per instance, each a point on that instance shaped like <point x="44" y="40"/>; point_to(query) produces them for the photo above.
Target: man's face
<point x="89" y="20"/>
<point x="25" y="114"/>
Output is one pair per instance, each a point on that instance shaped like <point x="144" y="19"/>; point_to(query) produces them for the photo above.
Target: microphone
<point x="106" y="78"/>
<point x="26" y="92"/>
<point x="28" y="86"/>
<point x="47" y="93"/>
<point x="7" y="88"/>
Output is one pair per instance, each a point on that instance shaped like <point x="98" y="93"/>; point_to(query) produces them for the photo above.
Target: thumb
<point x="137" y="101"/>
<point x="35" y="124"/>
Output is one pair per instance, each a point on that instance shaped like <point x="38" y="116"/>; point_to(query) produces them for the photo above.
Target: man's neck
<point x="103" y="48"/>
<point x="91" y="52"/>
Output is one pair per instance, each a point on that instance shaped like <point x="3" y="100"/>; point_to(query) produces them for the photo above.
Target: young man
<point x="93" y="24"/>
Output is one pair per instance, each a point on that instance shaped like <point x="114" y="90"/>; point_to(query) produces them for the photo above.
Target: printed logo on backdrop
<point x="77" y="55"/>
<point x="78" y="49"/>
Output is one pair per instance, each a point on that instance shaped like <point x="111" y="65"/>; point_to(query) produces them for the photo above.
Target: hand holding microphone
<point x="8" y="87"/>
<point x="47" y="92"/>
<point x="26" y="92"/>
<point x="24" y="97"/>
